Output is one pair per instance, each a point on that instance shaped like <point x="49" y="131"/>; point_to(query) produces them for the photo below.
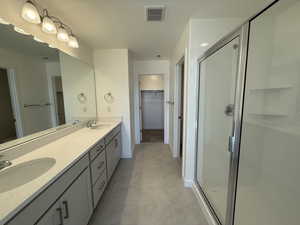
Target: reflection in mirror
<point x="78" y="80"/>
<point x="40" y="88"/>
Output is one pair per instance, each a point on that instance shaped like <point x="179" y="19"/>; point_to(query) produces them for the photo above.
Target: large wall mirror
<point x="41" y="88"/>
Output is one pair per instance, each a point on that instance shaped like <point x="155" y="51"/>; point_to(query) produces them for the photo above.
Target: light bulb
<point x="73" y="43"/>
<point x="38" y="40"/>
<point x="4" y="22"/>
<point x="204" y="44"/>
<point x="48" y="26"/>
<point x="62" y="34"/>
<point x="21" y="31"/>
<point x="30" y="13"/>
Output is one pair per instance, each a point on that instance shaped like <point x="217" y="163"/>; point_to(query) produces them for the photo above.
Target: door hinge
<point x="231" y="140"/>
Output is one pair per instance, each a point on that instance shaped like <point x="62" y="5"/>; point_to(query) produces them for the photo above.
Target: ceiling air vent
<point x="155" y="13"/>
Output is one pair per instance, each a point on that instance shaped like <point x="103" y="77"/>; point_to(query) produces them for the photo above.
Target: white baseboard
<point x="204" y="207"/>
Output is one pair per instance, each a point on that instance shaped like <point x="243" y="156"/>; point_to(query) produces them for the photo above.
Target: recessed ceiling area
<point x="122" y="24"/>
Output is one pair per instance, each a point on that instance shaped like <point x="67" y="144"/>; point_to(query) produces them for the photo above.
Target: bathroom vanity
<point x="61" y="182"/>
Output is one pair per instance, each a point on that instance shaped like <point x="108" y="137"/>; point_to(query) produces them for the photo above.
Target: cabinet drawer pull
<point x="100" y="165"/>
<point x="102" y="185"/>
<point x="60" y="216"/>
<point x="65" y="203"/>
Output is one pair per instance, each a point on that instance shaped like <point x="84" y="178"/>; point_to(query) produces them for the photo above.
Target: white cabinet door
<point x="74" y="207"/>
<point x="113" y="154"/>
<point x="54" y="216"/>
<point x="118" y="146"/>
<point x="110" y="159"/>
<point x="76" y="203"/>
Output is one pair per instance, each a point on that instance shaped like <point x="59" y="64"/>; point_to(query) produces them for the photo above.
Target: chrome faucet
<point x="90" y="123"/>
<point x="4" y="164"/>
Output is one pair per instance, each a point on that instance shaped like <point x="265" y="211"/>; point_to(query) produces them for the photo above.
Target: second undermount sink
<point x="22" y="173"/>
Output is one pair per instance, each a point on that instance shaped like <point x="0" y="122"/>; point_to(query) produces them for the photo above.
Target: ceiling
<point x="24" y="44"/>
<point x="121" y="23"/>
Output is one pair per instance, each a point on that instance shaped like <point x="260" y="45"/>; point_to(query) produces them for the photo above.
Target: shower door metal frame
<point x="243" y="34"/>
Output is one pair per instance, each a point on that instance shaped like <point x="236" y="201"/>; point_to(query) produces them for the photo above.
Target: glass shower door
<point x="268" y="190"/>
<point x="218" y="75"/>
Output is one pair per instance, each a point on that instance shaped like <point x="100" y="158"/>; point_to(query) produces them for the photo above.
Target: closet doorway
<point x="151" y="108"/>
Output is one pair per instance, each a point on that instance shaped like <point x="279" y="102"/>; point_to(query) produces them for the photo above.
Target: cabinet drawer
<point x="99" y="188"/>
<point x="109" y="137"/>
<point x="98" y="166"/>
<point x="99" y="147"/>
<point x="111" y="134"/>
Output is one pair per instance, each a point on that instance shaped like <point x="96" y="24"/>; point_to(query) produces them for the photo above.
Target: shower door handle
<point x="231" y="140"/>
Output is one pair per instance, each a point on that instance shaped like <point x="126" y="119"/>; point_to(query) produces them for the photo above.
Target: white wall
<point x="32" y="88"/>
<point x="180" y="53"/>
<point x="112" y="75"/>
<point x="197" y="32"/>
<point x="131" y="97"/>
<point x="151" y="82"/>
<point x="10" y="11"/>
<point x="77" y="77"/>
<point x="150" y="67"/>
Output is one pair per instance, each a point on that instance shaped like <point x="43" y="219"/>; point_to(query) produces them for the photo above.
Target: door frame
<point x="166" y="114"/>
<point x="178" y="106"/>
<point x="52" y="98"/>
<point x="242" y="32"/>
<point x="12" y="82"/>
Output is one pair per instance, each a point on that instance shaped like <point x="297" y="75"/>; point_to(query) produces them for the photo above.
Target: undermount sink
<point x="100" y="126"/>
<point x="20" y="174"/>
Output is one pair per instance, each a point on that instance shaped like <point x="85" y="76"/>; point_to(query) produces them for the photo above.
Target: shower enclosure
<point x="249" y="121"/>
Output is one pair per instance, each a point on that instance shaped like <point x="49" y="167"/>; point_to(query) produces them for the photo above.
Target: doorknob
<point x="229" y="110"/>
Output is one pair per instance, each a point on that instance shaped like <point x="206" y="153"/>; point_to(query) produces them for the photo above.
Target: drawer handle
<point x="100" y="165"/>
<point x="60" y="216"/>
<point x="65" y="203"/>
<point x="102" y="185"/>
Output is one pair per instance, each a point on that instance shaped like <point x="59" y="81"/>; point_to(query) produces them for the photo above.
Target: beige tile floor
<point x="148" y="190"/>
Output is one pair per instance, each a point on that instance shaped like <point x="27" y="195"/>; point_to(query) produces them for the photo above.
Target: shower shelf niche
<point x="271" y="88"/>
<point x="275" y="114"/>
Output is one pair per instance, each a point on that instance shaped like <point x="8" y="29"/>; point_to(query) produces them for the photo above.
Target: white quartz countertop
<point x="66" y="151"/>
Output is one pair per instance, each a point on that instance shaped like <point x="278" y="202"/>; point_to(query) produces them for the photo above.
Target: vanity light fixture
<point x="48" y="25"/>
<point x="21" y="31"/>
<point x="34" y="13"/>
<point x="73" y="43"/>
<point x="2" y="21"/>
<point x="30" y="13"/>
<point x="62" y="34"/>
